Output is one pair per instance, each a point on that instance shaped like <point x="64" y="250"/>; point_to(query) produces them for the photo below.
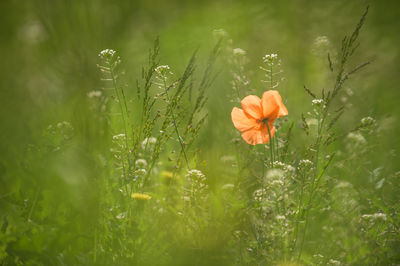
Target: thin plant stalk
<point x="270" y="145"/>
<point x="176" y="127"/>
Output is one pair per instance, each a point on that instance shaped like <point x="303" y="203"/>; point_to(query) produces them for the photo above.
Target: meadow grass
<point x="146" y="167"/>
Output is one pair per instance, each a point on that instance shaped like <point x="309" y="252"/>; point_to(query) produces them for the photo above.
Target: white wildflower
<point x="311" y="121"/>
<point x="290" y="168"/>
<point x="141" y="163"/>
<point x="277" y="182"/>
<point x="367" y="121"/>
<point x="259" y="194"/>
<point x="239" y="51"/>
<point x="121" y="216"/>
<point x="357" y="138"/>
<point x="274" y="173"/>
<point x="305" y="163"/>
<point x="195" y="174"/>
<point x="317" y="102"/>
<point x="280" y="217"/>
<point x="321" y="41"/>
<point x="334" y="262"/>
<point x="93" y="94"/>
<point x="186" y="198"/>
<point x="119" y="137"/>
<point x="269" y="57"/>
<point x="32" y="32"/>
<point x="283" y="166"/>
<point x="64" y="124"/>
<point x="162" y="70"/>
<point x="148" y="143"/>
<point x="107" y="53"/>
<point x="375" y="216"/>
<point x="140" y="172"/>
<point x="320" y="45"/>
<point x="344" y="184"/>
<point x="278" y="163"/>
<point x="349" y="91"/>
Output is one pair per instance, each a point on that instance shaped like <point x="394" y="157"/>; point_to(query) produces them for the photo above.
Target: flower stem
<point x="263" y="162"/>
<point x="270" y="145"/>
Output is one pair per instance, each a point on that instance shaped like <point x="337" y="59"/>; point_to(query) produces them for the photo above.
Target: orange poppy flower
<point x="251" y="121"/>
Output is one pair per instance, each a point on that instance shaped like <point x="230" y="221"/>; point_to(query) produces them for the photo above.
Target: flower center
<point x="261" y="123"/>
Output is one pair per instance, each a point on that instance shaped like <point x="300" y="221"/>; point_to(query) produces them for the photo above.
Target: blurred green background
<point x="49" y="51"/>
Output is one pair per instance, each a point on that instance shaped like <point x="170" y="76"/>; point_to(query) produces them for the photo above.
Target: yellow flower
<point x="167" y="174"/>
<point x="140" y="196"/>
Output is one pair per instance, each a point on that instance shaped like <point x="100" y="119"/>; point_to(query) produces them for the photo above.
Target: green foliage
<point x="137" y="162"/>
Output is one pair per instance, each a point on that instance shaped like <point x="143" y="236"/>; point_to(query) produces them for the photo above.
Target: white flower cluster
<point x="270" y="57"/>
<point x="334" y="262"/>
<point x="317" y="102"/>
<point x="137" y="174"/>
<point x="321" y="41"/>
<point x="305" y="163"/>
<point x="119" y="137"/>
<point x="63" y="129"/>
<point x="107" y="54"/>
<point x="277" y="183"/>
<point x="119" y="145"/>
<point x="141" y="163"/>
<point x="275" y="174"/>
<point x="375" y="216"/>
<point x="260" y="194"/>
<point x="318" y="256"/>
<point x="320" y="45"/>
<point x="140" y="172"/>
<point x="349" y="91"/>
<point x="239" y="51"/>
<point x="367" y="121"/>
<point x="161" y="70"/>
<point x="121" y="216"/>
<point x="64" y="125"/>
<point x="285" y="167"/>
<point x="162" y="74"/>
<point x="280" y="217"/>
<point x="148" y="143"/>
<point x="198" y="184"/>
<point x="356" y="138"/>
<point x="343" y="184"/>
<point x="93" y="94"/>
<point x="196" y="174"/>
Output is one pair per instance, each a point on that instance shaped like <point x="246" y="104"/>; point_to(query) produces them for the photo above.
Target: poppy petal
<point x="252" y="106"/>
<point x="258" y="136"/>
<point x="241" y="121"/>
<point x="272" y="105"/>
<point x="252" y="136"/>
